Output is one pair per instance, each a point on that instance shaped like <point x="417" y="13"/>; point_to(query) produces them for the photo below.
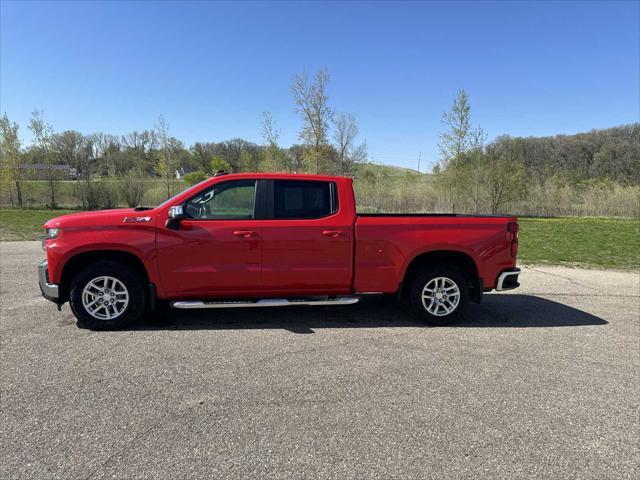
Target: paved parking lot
<point x="542" y="382"/>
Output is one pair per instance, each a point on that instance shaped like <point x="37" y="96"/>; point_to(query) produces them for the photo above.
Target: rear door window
<point x="299" y="200"/>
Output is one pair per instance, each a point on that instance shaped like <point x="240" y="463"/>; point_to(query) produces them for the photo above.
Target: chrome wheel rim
<point x="440" y="296"/>
<point x="105" y="298"/>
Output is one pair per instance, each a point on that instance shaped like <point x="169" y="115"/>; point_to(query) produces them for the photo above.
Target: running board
<point x="266" y="302"/>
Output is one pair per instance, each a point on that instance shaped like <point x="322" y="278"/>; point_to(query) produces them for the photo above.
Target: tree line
<point x="478" y="176"/>
<point x="473" y="175"/>
<point x="328" y="144"/>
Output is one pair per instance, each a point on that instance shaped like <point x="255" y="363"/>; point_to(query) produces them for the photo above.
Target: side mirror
<point x="176" y="213"/>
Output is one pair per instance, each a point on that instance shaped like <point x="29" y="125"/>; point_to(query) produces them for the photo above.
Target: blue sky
<point x="212" y="68"/>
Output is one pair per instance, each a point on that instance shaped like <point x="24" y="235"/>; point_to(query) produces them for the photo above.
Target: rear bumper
<point x="50" y="291"/>
<point x="508" y="280"/>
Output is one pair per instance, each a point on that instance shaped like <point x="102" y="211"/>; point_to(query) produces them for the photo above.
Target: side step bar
<point x="266" y="302"/>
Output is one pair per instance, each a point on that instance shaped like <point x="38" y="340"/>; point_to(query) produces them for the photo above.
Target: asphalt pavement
<point x="541" y="382"/>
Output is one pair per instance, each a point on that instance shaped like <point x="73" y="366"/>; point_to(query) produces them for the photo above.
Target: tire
<point x="125" y="307"/>
<point x="442" y="306"/>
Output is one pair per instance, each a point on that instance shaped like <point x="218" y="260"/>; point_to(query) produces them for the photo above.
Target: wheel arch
<point x="463" y="261"/>
<point x="74" y="264"/>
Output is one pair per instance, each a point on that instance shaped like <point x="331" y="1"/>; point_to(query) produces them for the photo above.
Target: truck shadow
<point x="496" y="311"/>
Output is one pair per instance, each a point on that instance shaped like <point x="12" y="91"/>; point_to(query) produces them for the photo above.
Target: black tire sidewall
<point x="415" y="295"/>
<point x="132" y="282"/>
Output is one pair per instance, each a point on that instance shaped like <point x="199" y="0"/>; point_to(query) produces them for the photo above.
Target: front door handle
<point x="245" y="233"/>
<point x="332" y="233"/>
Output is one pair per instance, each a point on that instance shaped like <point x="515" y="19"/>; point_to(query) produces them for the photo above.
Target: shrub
<point x="195" y="177"/>
<point x="97" y="194"/>
<point x="132" y="188"/>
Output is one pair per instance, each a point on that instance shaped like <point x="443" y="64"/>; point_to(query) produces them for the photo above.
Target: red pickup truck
<point x="262" y="240"/>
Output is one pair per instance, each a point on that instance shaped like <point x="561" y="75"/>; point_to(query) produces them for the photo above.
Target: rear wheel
<point x="107" y="295"/>
<point x="438" y="295"/>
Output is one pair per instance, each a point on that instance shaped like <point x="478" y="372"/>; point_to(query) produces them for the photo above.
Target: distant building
<point x="40" y="171"/>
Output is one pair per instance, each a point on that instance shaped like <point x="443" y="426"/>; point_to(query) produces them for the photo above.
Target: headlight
<point x="53" y="232"/>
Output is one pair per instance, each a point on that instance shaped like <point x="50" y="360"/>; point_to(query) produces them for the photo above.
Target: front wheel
<point x="438" y="296"/>
<point x="107" y="295"/>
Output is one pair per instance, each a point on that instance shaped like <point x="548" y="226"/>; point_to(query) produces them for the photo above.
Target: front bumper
<point x="508" y="280"/>
<point x="50" y="291"/>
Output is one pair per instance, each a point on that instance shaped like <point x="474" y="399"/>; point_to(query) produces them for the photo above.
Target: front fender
<point x="138" y="241"/>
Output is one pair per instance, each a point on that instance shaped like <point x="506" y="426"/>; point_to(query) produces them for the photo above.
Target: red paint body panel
<point x="386" y="245"/>
<point x="206" y="258"/>
<point x="311" y="256"/>
<point x="339" y="254"/>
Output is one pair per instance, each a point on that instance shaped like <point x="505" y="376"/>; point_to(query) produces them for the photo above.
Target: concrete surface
<point x="541" y="382"/>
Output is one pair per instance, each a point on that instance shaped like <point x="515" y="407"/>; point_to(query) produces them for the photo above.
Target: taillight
<point x="513" y="228"/>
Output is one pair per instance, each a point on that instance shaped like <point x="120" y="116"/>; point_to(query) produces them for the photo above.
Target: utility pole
<point x="419" y="158"/>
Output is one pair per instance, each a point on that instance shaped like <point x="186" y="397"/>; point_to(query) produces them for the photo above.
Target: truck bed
<point x="385" y="243"/>
<point x="459" y="215"/>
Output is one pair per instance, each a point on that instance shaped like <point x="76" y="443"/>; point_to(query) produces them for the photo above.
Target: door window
<point x="224" y="201"/>
<point x="294" y="199"/>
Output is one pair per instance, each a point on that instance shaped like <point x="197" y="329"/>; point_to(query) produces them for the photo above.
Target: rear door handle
<point x="332" y="233"/>
<point x="245" y="233"/>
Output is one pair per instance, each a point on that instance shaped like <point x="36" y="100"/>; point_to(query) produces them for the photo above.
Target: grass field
<point x="590" y="241"/>
<point x="25" y="224"/>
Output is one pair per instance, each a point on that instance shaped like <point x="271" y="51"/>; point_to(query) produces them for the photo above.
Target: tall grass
<point x="413" y="193"/>
<point x="383" y="189"/>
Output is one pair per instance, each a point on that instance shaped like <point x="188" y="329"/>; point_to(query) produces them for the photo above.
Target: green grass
<point x="587" y="241"/>
<point x="25" y="224"/>
<point x="591" y="241"/>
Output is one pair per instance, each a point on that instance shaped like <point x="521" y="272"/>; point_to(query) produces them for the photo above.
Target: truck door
<point x="217" y="249"/>
<point x="307" y="240"/>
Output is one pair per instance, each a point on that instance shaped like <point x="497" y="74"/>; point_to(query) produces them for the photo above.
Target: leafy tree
<point x="457" y="139"/>
<point x="218" y="163"/>
<point x="166" y="155"/>
<point x="248" y="162"/>
<point x="193" y="178"/>
<point x="10" y="156"/>
<point x="42" y="133"/>
<point x="273" y="159"/>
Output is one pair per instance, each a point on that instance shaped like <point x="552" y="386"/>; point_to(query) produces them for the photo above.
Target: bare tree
<point x="312" y="104"/>
<point x="504" y="173"/>
<point x="10" y="156"/>
<point x="42" y="133"/>
<point x="203" y="153"/>
<point x="346" y="131"/>
<point x="477" y="167"/>
<point x="132" y="187"/>
<point x="99" y="143"/>
<point x="139" y="141"/>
